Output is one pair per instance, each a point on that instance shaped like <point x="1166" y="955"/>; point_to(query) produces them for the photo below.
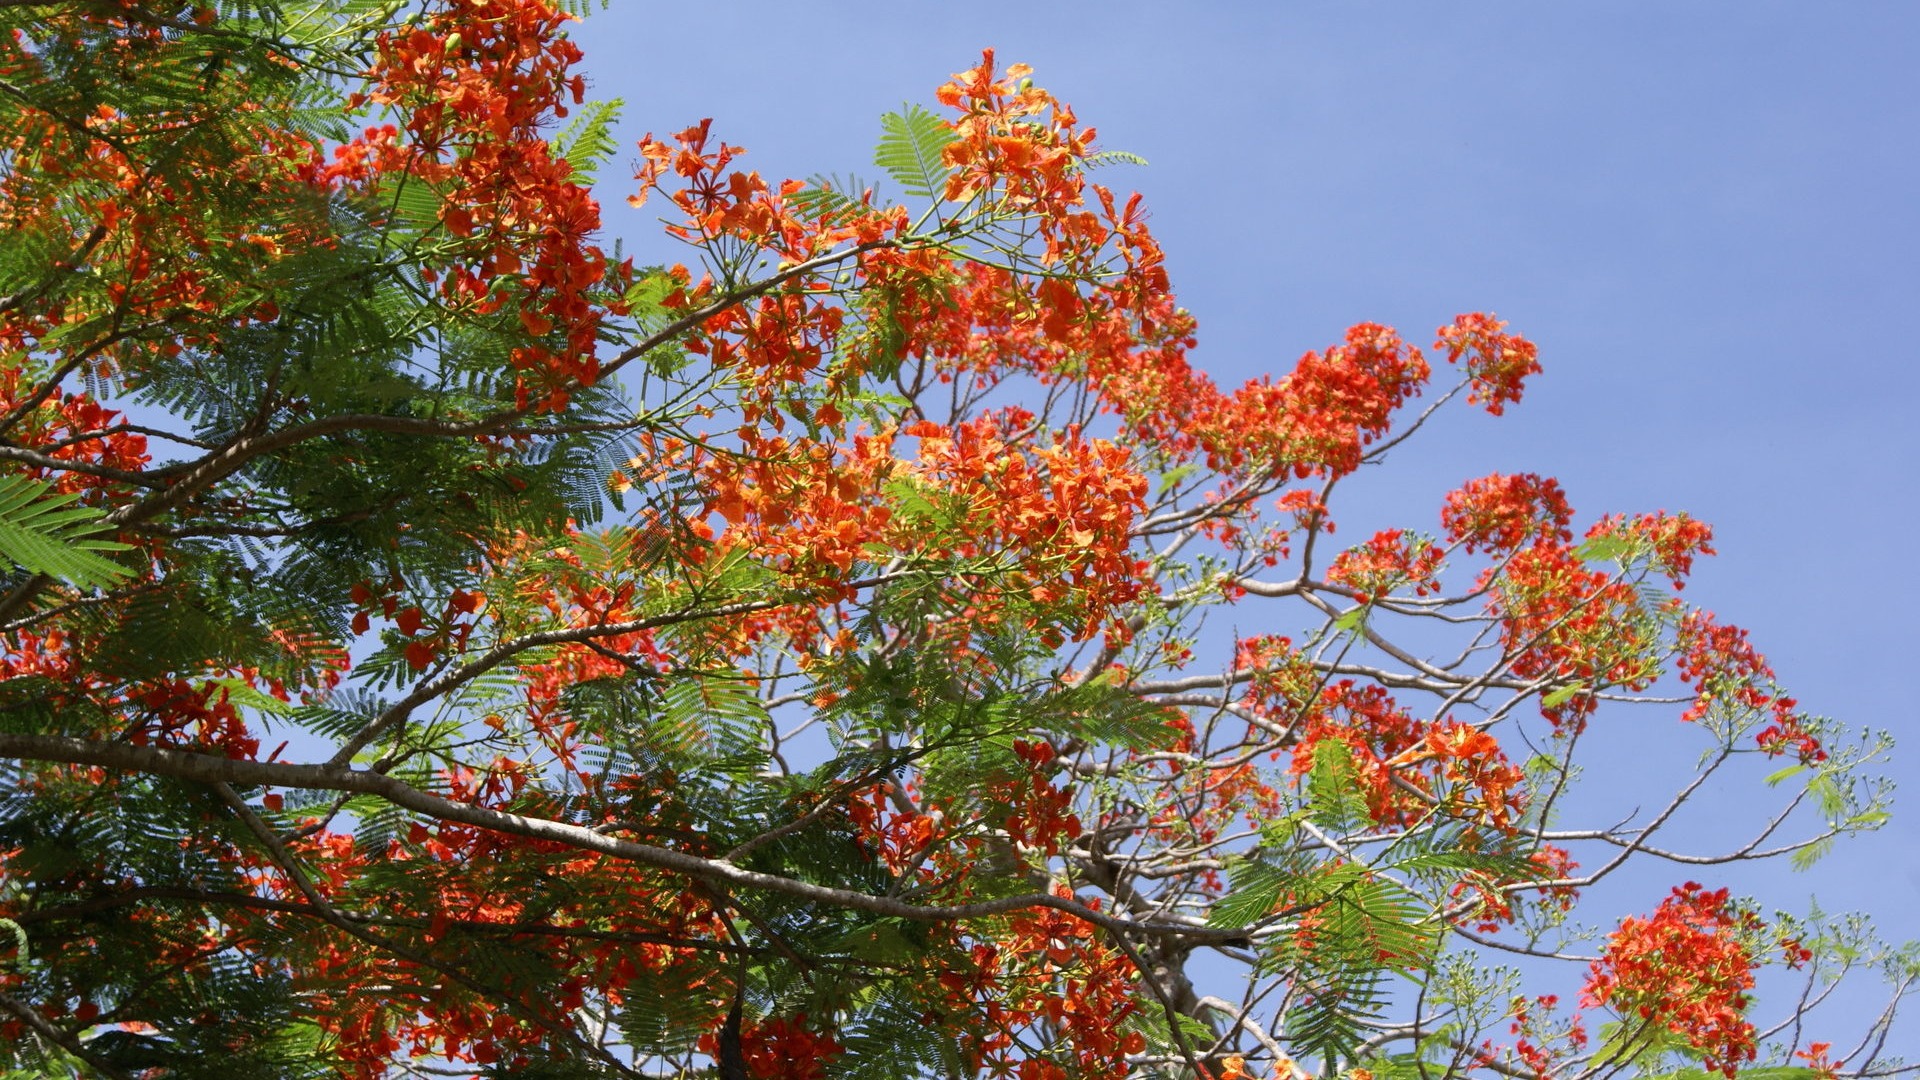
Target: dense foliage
<point x="431" y="643"/>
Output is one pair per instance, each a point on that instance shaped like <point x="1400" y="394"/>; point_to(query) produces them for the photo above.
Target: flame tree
<point x="432" y="644"/>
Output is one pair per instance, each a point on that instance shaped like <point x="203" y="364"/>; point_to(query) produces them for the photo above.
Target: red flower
<point x="1686" y="968"/>
<point x="1501" y="513"/>
<point x="1497" y="363"/>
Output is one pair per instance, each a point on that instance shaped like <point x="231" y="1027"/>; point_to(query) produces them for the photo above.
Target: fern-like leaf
<point x="588" y="141"/>
<point x="40" y="531"/>
<point x="910" y="150"/>
<point x="830" y="198"/>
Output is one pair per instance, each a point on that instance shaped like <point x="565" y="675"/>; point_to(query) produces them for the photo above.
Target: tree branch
<point x="209" y="769"/>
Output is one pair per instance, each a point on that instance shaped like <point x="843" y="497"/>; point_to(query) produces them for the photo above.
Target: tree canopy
<point x="431" y="643"/>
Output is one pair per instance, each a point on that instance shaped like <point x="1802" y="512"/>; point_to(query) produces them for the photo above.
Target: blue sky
<point x="1704" y="213"/>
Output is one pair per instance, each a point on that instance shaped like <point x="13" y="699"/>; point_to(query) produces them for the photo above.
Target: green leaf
<point x="1173" y="477"/>
<point x="910" y="150"/>
<point x="1277" y="833"/>
<point x="1450" y="862"/>
<point x="20" y="952"/>
<point x="889" y="941"/>
<point x="1770" y="1072"/>
<point x="42" y="533"/>
<point x="242" y="693"/>
<point x="1774" y="778"/>
<point x="1602" y="549"/>
<point x="720" y="720"/>
<point x="1805" y="857"/>
<point x="830" y="198"/>
<point x="1195" y="1031"/>
<point x="1257" y="889"/>
<point x="1365" y="928"/>
<point x="588" y="141"/>
<point x="1564" y="694"/>
<point x="415" y="202"/>
<point x="1352" y="620"/>
<point x="1333" y="787"/>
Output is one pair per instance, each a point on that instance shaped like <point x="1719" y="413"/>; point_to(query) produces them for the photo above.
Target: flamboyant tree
<point x="430" y="643"/>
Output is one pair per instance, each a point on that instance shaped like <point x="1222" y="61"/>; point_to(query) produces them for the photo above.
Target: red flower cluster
<point x="1406" y="767"/>
<point x="148" y="270"/>
<point x="1489" y="904"/>
<point x="1040" y="814"/>
<point x="781" y="1048"/>
<point x="1667" y="542"/>
<point x="1498" y="363"/>
<point x="1018" y="143"/>
<point x="1544" y="1042"/>
<point x="900" y="837"/>
<point x="1068" y="510"/>
<point x="1563" y="620"/>
<point x="1279" y="676"/>
<point x="1389" y="561"/>
<point x="722" y="203"/>
<point x="1724" y="668"/>
<point x="477" y="81"/>
<point x="1052" y="969"/>
<point x="1319" y="419"/>
<point x="73" y="429"/>
<point x="1501" y="513"/>
<point x="1815" y="1055"/>
<point x="1686" y="968"/>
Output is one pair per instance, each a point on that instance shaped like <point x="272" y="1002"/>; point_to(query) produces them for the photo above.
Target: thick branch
<point x="209" y="769"/>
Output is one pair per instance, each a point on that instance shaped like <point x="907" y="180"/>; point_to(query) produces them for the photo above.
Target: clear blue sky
<point x="1705" y="214"/>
